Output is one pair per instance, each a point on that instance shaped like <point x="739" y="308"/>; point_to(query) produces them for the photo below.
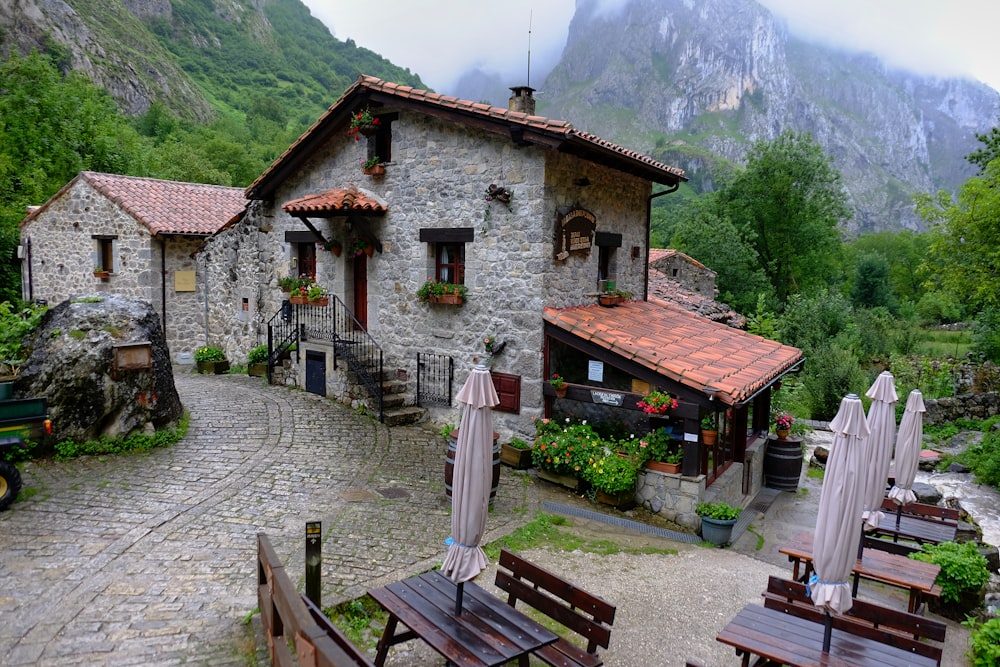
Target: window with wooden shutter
<point x="508" y="391"/>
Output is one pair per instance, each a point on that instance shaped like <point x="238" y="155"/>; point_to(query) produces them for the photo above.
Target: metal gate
<point x="434" y="379"/>
<point x="316" y="372"/>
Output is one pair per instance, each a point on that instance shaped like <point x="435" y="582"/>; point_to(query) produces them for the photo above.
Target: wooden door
<point x="361" y="290"/>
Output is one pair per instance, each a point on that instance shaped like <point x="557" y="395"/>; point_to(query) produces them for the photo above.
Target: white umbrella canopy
<point x="472" y="478"/>
<point x="878" y="445"/>
<point x="909" y="442"/>
<point x="841" y="499"/>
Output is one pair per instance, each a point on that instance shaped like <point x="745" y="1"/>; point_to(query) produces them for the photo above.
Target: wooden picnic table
<point x="487" y="632"/>
<point x="915" y="576"/>
<point x="792" y="640"/>
<point x="918" y="522"/>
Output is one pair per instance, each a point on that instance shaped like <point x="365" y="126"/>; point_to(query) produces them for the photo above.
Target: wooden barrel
<point x="449" y="464"/>
<point x="783" y="463"/>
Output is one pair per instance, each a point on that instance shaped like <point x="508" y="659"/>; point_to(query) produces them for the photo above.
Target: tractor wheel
<point x="10" y="483"/>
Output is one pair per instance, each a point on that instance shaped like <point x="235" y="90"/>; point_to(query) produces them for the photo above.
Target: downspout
<point x="31" y="283"/>
<point x="649" y="227"/>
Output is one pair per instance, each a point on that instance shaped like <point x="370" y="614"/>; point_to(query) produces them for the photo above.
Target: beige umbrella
<point x="878" y="446"/>
<point x="909" y="442"/>
<point x="471" y="481"/>
<point x="838" y="535"/>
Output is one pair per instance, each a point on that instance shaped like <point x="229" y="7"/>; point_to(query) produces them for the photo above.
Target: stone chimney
<point x="521" y="100"/>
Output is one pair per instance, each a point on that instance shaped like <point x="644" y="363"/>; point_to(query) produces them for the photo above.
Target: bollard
<point x="314" y="561"/>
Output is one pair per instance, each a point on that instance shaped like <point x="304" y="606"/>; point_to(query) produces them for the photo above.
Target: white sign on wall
<point x="595" y="371"/>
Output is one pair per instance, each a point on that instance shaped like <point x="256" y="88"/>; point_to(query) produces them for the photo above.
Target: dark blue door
<point x="316" y="372"/>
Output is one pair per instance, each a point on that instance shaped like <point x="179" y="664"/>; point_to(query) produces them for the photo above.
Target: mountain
<point x="695" y="82"/>
<point x="200" y="58"/>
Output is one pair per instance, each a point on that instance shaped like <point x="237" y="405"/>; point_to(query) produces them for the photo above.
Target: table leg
<point x="383" y="644"/>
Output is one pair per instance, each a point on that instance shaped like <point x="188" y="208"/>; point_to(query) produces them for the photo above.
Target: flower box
<point x="519" y="459"/>
<point x="298" y="300"/>
<point x="374" y="170"/>
<point x="569" y="481"/>
<point x="622" y="500"/>
<point x="103" y="275"/>
<point x="448" y="299"/>
<point x="322" y="301"/>
<point x="609" y="301"/>
<point x="667" y="468"/>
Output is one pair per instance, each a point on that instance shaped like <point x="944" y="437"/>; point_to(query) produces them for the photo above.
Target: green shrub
<point x="258" y="355"/>
<point x="564" y="449"/>
<point x="963" y="569"/>
<point x="209" y="353"/>
<point x="717" y="511"/>
<point x="830" y="375"/>
<point x="984" y="642"/>
<point x="609" y="473"/>
<point x="983" y="459"/>
<point x="986" y="335"/>
<point x="134" y="442"/>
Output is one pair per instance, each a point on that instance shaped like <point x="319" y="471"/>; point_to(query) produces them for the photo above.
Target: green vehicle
<point x="20" y="419"/>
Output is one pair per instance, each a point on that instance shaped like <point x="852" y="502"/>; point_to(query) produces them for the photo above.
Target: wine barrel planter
<point x="449" y="464"/>
<point x="783" y="463"/>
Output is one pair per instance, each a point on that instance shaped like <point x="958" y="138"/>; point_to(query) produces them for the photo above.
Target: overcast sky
<point x="441" y="39"/>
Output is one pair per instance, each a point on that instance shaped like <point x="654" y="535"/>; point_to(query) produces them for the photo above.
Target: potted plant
<point x="211" y="359"/>
<point x="657" y="403"/>
<point x="316" y="295"/>
<point x="516" y="454"/>
<point x="559" y="385"/>
<point x="709" y="429"/>
<point x="99" y="272"/>
<point x="613" y="297"/>
<point x="613" y="478"/>
<point x="783" y="425"/>
<point x="363" y="122"/>
<point x="334" y="246"/>
<point x="562" y="449"/>
<point x="257" y="361"/>
<point x="663" y="455"/>
<point x="373" y="166"/>
<point x="717" y="521"/>
<point x="434" y="292"/>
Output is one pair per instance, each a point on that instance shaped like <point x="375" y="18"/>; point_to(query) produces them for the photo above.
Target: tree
<point x="788" y="202"/>
<point x="871" y="282"/>
<point x="965" y="237"/>
<point x="989" y="152"/>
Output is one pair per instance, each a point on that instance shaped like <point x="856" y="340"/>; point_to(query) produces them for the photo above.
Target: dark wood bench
<point x="924" y="511"/>
<point x="589" y="616"/>
<point x="337" y="635"/>
<point x="918" y="522"/>
<point x="888" y="626"/>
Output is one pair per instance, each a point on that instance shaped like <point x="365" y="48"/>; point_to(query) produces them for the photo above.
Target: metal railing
<point x="435" y="374"/>
<point x="334" y="324"/>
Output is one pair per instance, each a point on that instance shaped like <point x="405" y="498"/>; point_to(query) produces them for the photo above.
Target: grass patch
<point x="130" y="444"/>
<point x="813" y="472"/>
<point x="760" y="537"/>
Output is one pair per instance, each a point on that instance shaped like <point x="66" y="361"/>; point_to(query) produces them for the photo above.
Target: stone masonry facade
<point x="65" y="250"/>
<point x="437" y="179"/>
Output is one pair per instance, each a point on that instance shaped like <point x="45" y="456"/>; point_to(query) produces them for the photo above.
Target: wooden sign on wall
<point x="575" y="233"/>
<point x="184" y="281"/>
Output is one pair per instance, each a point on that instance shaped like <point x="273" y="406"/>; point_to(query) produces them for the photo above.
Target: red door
<point x="361" y="290"/>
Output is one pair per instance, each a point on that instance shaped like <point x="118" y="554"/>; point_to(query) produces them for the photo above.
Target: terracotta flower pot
<point x="561" y="391"/>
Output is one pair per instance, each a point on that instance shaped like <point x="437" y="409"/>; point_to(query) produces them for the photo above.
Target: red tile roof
<point x="681" y="346"/>
<point x="332" y="202"/>
<point x="556" y="134"/>
<point x="164" y="207"/>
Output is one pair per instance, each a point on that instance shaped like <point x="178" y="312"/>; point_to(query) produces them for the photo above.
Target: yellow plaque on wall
<point x="184" y="281"/>
<point x="640" y="387"/>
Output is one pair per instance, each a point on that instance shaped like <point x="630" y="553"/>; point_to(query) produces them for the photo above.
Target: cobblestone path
<point x="150" y="559"/>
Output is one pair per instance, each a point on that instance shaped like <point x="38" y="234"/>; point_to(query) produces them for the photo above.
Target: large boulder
<point x="71" y="364"/>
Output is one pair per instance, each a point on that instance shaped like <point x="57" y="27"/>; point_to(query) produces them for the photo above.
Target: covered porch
<point x="612" y="357"/>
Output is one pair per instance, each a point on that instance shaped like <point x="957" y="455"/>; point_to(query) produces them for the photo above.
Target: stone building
<point x="532" y="217"/>
<point x="136" y="237"/>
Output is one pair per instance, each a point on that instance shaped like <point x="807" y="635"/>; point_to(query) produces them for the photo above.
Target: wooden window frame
<point x="455" y="267"/>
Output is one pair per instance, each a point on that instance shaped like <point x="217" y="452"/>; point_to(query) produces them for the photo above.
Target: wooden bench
<point x="588" y="615"/>
<point x="337" y="635"/>
<point x="888" y="626"/>
<point x="918" y="522"/>
<point x="288" y="620"/>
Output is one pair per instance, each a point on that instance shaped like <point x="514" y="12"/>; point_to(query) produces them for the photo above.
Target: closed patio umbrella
<point x="471" y="480"/>
<point x="837" y="537"/>
<point x="909" y="442"/>
<point x="878" y="445"/>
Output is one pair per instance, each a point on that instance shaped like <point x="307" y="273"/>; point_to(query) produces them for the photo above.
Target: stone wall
<point x="966" y="406"/>
<point x="689" y="272"/>
<point x="436" y="179"/>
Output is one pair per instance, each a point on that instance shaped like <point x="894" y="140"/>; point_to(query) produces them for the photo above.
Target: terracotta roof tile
<point x="337" y="200"/>
<point x="681" y="346"/>
<point x="339" y="112"/>
<point x="164" y="207"/>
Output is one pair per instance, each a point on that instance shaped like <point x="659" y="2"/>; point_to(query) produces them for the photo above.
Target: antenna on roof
<point x="530" y="15"/>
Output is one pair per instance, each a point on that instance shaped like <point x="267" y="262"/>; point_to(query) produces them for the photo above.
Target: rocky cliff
<point x="677" y="78"/>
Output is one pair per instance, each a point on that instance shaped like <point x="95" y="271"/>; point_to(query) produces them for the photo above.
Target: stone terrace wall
<point x="966" y="406"/>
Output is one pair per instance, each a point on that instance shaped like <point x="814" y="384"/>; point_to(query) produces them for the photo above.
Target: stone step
<point x="404" y="416"/>
<point x="393" y="401"/>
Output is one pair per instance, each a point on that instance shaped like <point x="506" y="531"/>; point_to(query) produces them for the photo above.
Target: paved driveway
<point x="150" y="559"/>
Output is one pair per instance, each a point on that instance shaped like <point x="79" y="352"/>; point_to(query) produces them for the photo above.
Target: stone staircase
<point x="395" y="398"/>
